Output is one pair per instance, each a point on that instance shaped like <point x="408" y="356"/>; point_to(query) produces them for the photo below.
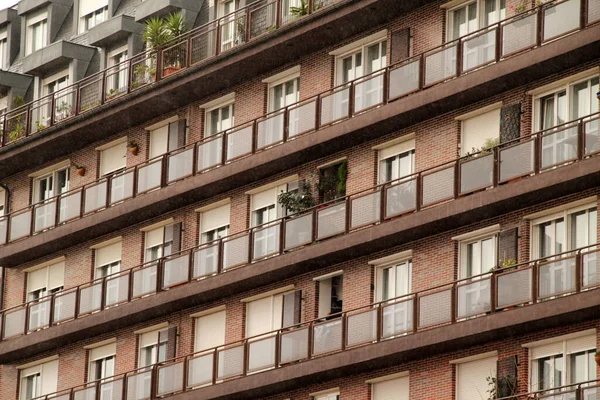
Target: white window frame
<point x="563" y="85"/>
<point x="37" y="369"/>
<point x="154" y="347"/>
<point x="4" y="57"/>
<point x="493" y="108"/>
<point x="202" y="231"/>
<point x="3" y="202"/>
<point x="278" y="293"/>
<point x="84" y="24"/>
<point x="122" y="142"/>
<point x="479" y="16"/>
<point x="355" y="47"/>
<point x="406" y="145"/>
<point x="391" y="261"/>
<point x="329" y="394"/>
<point x="463" y="246"/>
<point x="120" y="78"/>
<point x="39" y="17"/>
<point x="388" y="379"/>
<point x="293" y="76"/>
<point x="110" y="352"/>
<point x="565" y="214"/>
<point x="53" y="173"/>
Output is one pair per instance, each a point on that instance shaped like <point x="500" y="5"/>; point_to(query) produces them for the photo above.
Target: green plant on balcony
<point x="143" y="73"/>
<point x="486" y="149"/>
<point x="509" y="262"/>
<point x="519" y="8"/>
<point x="303" y="8"/>
<point x="18" y="129"/>
<point x="39" y="125"/>
<point x="90" y="106"/>
<point x="298" y="200"/>
<point x="63" y="110"/>
<point x="112" y="93"/>
<point x="160" y="31"/>
<point x="332" y="181"/>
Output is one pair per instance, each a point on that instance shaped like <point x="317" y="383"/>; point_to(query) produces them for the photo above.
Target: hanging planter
<point x="133" y="148"/>
<point x="597" y="357"/>
<point x="80" y="170"/>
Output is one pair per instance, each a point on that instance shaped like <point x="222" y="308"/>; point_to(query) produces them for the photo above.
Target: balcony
<point x="58" y="54"/>
<point x="113" y="30"/>
<point x="511" y="176"/>
<point x="26" y="6"/>
<point x="159" y="8"/>
<point x="536" y="294"/>
<point x="210" y="69"/>
<point x="17" y="83"/>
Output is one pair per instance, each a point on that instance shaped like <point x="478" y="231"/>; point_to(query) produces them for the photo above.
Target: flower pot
<point x="81" y="171"/>
<point x="597" y="357"/>
<point x="134" y="150"/>
<point x="170" y="70"/>
<point x="598" y="95"/>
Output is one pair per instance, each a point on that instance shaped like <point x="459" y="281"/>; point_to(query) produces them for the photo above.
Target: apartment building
<point x="303" y="200"/>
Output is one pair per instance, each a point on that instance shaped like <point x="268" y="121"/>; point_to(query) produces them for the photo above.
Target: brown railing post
<point x="103" y="88"/>
<point x="2" y="325"/>
<point x="103" y="289"/>
<point x="453" y="303"/>
<point x="250" y="246"/>
<point x="459" y="56"/>
<point x="582" y="14"/>
<point x="580" y="139"/>
<point x="52" y="106"/>
<point x="27" y="317"/>
<point x="278" y="10"/>
<point x="159" y="64"/>
<point x="130" y="285"/>
<point x="351" y="94"/>
<point x="317" y="112"/>
<point x="277" y="349"/>
<point x="218" y="41"/>
<point x="281" y="235"/>
<point x="498" y="32"/>
<point x="310" y="340"/>
<point x="540" y="27"/>
<point x="27" y="121"/>
<point x="534" y="282"/>
<point x="456" y="179"/>
<point x="315" y="216"/>
<point x="3" y="131"/>
<point x="379" y="331"/>
<point x="215" y="368"/>
<point x="537" y="151"/>
<point x="344" y="330"/>
<point x="419" y="194"/>
<point x="224" y="141"/>
<point x="382" y="203"/>
<point x="495" y="166"/>
<point x="493" y="291"/>
<point x="51" y="311"/>
<point x="415" y="314"/>
<point x="159" y="274"/>
<point x="188" y="58"/>
<point x="578" y="271"/>
<point x="77" y="301"/>
<point x="311" y="6"/>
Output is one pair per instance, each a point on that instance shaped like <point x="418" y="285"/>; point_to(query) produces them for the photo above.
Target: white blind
<point x="582" y="343"/>
<point x="113" y="158"/>
<point x="259" y="314"/>
<point x="37" y="279"/>
<point x="154" y="237"/>
<point x="393" y="389"/>
<point x="477" y="129"/>
<point x="108" y="254"/>
<point x="471" y="382"/>
<point x="37" y="16"/>
<point x="88" y="6"/>
<point x="159" y="141"/>
<point x="56" y="275"/>
<point x="103" y="351"/>
<point x="3" y="35"/>
<point x="264" y="199"/>
<point x="546" y="350"/>
<point x="210" y="331"/>
<point x="149" y="338"/>
<point x="215" y="218"/>
<point x="49" y="377"/>
<point x="396" y="149"/>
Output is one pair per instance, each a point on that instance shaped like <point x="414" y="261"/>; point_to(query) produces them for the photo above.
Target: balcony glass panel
<point x="3" y="230"/>
<point x="400" y="198"/>
<point x="331" y="220"/>
<point x="181" y="165"/>
<point x="90" y="298"/>
<point x="14" y="323"/>
<point x="239" y="143"/>
<point x="176" y="271"/>
<point x="561" y="18"/>
<point x="362" y="328"/>
<point x="266" y="241"/>
<point x="591" y="269"/>
<point x="206" y="261"/>
<point x="404" y="79"/>
<point x="39" y="315"/>
<point x="262" y="18"/>
<point x="230" y="362"/>
<point x="204" y="45"/>
<point x="95" y="197"/>
<point x="435" y="308"/>
<point x="368" y="93"/>
<point x="557" y="277"/>
<point x="85" y="394"/>
<point x="20" y="225"/>
<point x="397" y="318"/>
<point x="174" y="58"/>
<point x="121" y="187"/>
<point x="474" y="298"/>
<point x="117" y="290"/>
<point x="327" y="337"/>
<point x="294" y="345"/>
<point x="441" y="65"/>
<point x="210" y="153"/>
<point x="517" y="161"/>
<point x="559" y="146"/>
<point x="111" y="389"/>
<point x="592" y="135"/>
<point x="261" y="354"/>
<point x="298" y="231"/>
<point x="365" y="209"/>
<point x="45" y="216"/>
<point x="144" y="281"/>
<point x="593" y="11"/>
<point x="302" y="118"/>
<point x="438" y="186"/>
<point x="200" y="370"/>
<point x="519" y="34"/>
<point x="170" y="378"/>
<point x="70" y="207"/>
<point x="335" y="106"/>
<point x="270" y="130"/>
<point x="64" y="306"/>
<point x="149" y="176"/>
<point x="139" y="385"/>
<point x="477" y="173"/>
<point x="235" y="252"/>
<point x="479" y="50"/>
<point x="514" y="288"/>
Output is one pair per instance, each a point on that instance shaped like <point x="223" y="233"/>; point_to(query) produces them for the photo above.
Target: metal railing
<point x="499" y="290"/>
<point x="489" y="45"/>
<point x="505" y="163"/>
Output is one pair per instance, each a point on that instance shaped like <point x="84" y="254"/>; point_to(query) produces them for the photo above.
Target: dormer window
<point x="37" y="31"/>
<point x="92" y="13"/>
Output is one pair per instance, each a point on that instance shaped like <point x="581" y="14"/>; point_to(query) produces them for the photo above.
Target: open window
<point x="92" y="13"/>
<point x="396" y="160"/>
<point x="107" y="263"/>
<point x="43" y="281"/>
<point x="331" y="294"/>
<point x="155" y="345"/>
<point x="167" y="137"/>
<point x="101" y="366"/>
<point x="332" y="181"/>
<point x="38" y="380"/>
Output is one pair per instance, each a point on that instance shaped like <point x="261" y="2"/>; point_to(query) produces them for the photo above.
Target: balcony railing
<point x="492" y="44"/>
<point x="503" y="164"/>
<point x="499" y="290"/>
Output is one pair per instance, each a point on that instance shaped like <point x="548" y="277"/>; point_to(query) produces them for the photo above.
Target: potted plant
<point x="160" y="31"/>
<point x="597" y="358"/>
<point x="63" y="110"/>
<point x="299" y="200"/>
<point x="112" y="93"/>
<point x="133" y="147"/>
<point x="302" y="8"/>
<point x="80" y="170"/>
<point x="39" y="125"/>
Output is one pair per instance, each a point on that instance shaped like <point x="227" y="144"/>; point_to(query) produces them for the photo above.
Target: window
<point x="472" y="16"/>
<point x="564" y="231"/>
<point x="394" y="280"/>
<point x="155" y="345"/>
<point x="219" y="119"/>
<point x="390" y="388"/>
<point x="479" y="130"/>
<point x="334" y="395"/>
<point x="102" y="366"/>
<point x="44" y="281"/>
<point x="477" y="256"/>
<point x="55" y="84"/>
<point x="108" y="262"/>
<point x="396" y="161"/>
<point x="50" y="184"/>
<point x="567" y="360"/>
<point x="331" y="289"/>
<point x="38" y="380"/>
<point x="113" y="158"/>
<point x="332" y="181"/>
<point x="284" y="92"/>
<point x="471" y="377"/>
<point x="163" y="241"/>
<point x="167" y="138"/>
<point x="4" y="61"/>
<point x="209" y="331"/>
<point x="3" y="201"/>
<point x="118" y="73"/>
<point x="214" y="223"/>
<point x="36" y="32"/>
<point x="92" y="19"/>
<point x="230" y="36"/>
